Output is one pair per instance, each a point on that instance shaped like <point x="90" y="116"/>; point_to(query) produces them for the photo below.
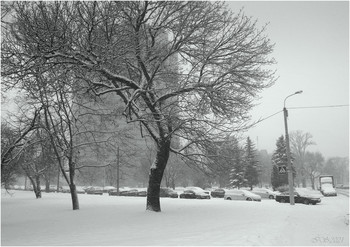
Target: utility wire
<point x="324" y="106"/>
<point x="263" y="119"/>
<point x="301" y="107"/>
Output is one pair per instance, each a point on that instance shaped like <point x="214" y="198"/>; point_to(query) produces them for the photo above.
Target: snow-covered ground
<point x="111" y="220"/>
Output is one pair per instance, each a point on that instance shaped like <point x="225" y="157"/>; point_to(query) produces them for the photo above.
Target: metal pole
<point x="118" y="171"/>
<point x="290" y="171"/>
<point x="58" y="179"/>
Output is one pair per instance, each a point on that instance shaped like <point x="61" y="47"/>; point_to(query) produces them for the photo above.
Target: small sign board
<point x="282" y="169"/>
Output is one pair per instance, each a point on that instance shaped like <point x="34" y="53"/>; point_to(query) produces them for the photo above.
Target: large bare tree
<point x="188" y="70"/>
<point x="314" y="163"/>
<point x="299" y="143"/>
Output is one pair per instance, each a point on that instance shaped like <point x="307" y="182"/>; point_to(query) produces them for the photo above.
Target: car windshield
<point x="287" y="194"/>
<point x="248" y="193"/>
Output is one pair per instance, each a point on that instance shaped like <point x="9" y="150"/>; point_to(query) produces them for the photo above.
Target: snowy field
<point x="122" y="221"/>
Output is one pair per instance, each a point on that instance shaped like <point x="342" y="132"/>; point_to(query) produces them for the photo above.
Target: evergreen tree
<point x="279" y="158"/>
<point x="276" y="179"/>
<point x="237" y="173"/>
<point x="251" y="164"/>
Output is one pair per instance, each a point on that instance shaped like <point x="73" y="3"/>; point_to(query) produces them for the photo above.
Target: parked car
<point x="79" y="190"/>
<point x="265" y="193"/>
<point x="220" y="193"/>
<point x="107" y="189"/>
<point x="306" y="199"/>
<point x="328" y="190"/>
<point x="132" y="192"/>
<point x="241" y="195"/>
<point x="66" y="189"/>
<point x="166" y="192"/>
<point x="198" y="190"/>
<point x="141" y="193"/>
<point x="94" y="191"/>
<point x="52" y="188"/>
<point x="124" y="192"/>
<point x="191" y="194"/>
<point x="114" y="192"/>
<point x="308" y="192"/>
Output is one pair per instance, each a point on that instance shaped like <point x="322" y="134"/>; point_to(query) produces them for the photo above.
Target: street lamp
<point x="290" y="171"/>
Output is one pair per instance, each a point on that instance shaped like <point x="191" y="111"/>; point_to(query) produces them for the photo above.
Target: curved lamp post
<point x="290" y="171"/>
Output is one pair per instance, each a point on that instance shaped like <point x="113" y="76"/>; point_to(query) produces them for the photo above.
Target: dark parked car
<point x="132" y="192"/>
<point x="94" y="191"/>
<point x="166" y="192"/>
<point x="114" y="192"/>
<point x="107" y="189"/>
<point x="306" y="199"/>
<point x="141" y="193"/>
<point x="190" y="194"/>
<point x="220" y="193"/>
<point x="122" y="192"/>
<point x="65" y="190"/>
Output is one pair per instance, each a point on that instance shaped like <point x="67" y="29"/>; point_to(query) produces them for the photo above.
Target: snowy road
<point x="343" y="192"/>
<point x="104" y="220"/>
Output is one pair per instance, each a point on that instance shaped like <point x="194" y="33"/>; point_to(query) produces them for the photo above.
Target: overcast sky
<point x="312" y="53"/>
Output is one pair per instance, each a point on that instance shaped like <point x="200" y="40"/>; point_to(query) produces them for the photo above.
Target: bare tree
<point x="299" y="143"/>
<point x="16" y="138"/>
<point x="313" y="166"/>
<point x="25" y="127"/>
<point x="189" y="70"/>
<point x="11" y="167"/>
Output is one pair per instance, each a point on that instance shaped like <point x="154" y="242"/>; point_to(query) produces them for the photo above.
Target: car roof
<point x="188" y="191"/>
<point x="234" y="191"/>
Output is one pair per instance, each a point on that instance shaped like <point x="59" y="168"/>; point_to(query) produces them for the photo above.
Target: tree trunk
<point x="36" y="187"/>
<point x="156" y="175"/>
<point x="38" y="192"/>
<point x="74" y="195"/>
<point x="73" y="189"/>
<point x="303" y="181"/>
<point x="312" y="182"/>
<point x="25" y="182"/>
<point x="47" y="184"/>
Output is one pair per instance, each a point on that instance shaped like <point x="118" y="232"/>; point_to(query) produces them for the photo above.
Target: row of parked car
<point x="164" y="192"/>
<point x="229" y="194"/>
<point x="186" y="193"/>
<point x="199" y="193"/>
<point x="300" y="195"/>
